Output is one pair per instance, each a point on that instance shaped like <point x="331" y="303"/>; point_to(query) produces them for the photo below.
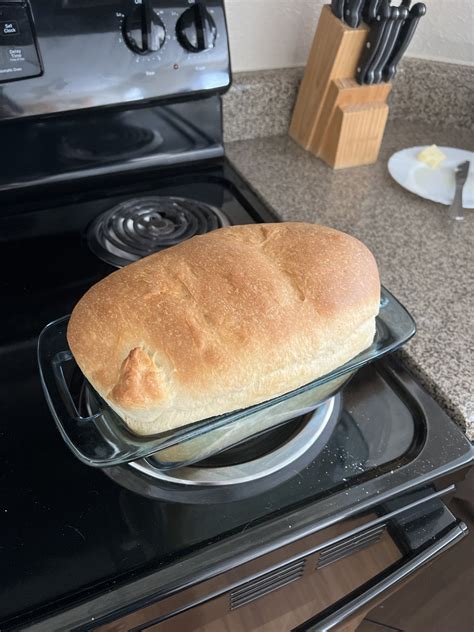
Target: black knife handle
<point x="370" y="75"/>
<point x="337" y="8"/>
<point x="406" y="33"/>
<point x="352" y="12"/>
<point x="369" y="12"/>
<point x="374" y="38"/>
<point x="399" y="16"/>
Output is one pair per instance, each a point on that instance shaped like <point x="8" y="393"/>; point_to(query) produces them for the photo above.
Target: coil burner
<point x="141" y="226"/>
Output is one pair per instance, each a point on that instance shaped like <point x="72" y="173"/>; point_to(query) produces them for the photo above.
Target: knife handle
<point x="352" y="12"/>
<point x="399" y="15"/>
<point x="370" y="9"/>
<point x="337" y="8"/>
<point x="371" y="74"/>
<point x="406" y="33"/>
<point x="374" y="39"/>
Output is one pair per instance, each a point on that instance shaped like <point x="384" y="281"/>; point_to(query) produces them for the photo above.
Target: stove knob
<point x="143" y="30"/>
<point x="196" y="30"/>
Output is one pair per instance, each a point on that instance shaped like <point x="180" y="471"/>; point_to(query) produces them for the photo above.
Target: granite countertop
<point x="424" y="259"/>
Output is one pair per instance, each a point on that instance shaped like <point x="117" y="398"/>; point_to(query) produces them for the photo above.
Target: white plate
<point x="433" y="184"/>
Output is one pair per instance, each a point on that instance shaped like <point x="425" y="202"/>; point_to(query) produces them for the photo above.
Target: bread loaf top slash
<point x="224" y="321"/>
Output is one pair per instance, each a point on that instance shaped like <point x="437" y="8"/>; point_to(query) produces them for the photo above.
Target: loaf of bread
<point x="224" y="321"/>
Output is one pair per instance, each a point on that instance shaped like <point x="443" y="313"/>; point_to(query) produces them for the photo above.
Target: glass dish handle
<point x="57" y="365"/>
<point x="82" y="434"/>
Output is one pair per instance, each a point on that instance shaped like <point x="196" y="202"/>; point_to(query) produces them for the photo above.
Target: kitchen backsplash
<point x="277" y="33"/>
<point x="261" y="103"/>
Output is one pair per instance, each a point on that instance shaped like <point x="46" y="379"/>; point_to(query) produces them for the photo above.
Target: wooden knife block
<point x="335" y="118"/>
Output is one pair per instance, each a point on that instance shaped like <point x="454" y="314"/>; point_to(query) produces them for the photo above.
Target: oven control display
<point x="18" y="55"/>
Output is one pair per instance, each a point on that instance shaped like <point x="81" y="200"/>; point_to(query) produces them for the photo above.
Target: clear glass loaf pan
<point x="99" y="437"/>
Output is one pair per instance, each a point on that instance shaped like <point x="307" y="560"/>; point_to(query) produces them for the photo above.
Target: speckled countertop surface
<point x="425" y="260"/>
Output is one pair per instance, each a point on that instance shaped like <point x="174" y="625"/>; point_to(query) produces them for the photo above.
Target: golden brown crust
<point x="225" y="320"/>
<point x="139" y="384"/>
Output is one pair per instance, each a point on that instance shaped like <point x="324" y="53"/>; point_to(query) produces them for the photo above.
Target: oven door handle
<point x="383" y="588"/>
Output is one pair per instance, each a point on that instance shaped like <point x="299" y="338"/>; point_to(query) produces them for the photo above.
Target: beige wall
<point x="278" y="33"/>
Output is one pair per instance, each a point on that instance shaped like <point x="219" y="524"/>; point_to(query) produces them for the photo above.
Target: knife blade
<point x="369" y="12"/>
<point x="337" y="8"/>
<point x="407" y="31"/>
<point x="374" y="39"/>
<point x="353" y="12"/>
<point x="399" y="16"/>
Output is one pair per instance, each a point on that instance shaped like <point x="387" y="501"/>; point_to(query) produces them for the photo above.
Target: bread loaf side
<point x="224" y="321"/>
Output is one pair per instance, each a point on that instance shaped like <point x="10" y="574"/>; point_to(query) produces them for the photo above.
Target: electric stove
<point x="115" y="117"/>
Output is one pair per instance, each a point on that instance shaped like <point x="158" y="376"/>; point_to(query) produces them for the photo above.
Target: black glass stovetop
<point x="67" y="530"/>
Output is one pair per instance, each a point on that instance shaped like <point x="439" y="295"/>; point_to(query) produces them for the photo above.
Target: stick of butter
<point x="432" y="156"/>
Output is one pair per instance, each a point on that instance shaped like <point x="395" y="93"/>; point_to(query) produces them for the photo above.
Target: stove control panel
<point x="78" y="54"/>
<point x="143" y="28"/>
<point x="196" y="30"/>
<point x="18" y="54"/>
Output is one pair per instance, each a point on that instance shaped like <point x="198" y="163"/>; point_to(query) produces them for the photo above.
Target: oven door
<point x="327" y="588"/>
<point x="350" y="614"/>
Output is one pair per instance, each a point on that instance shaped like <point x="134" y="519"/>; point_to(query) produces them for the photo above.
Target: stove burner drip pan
<point x="302" y="439"/>
<point x="139" y="227"/>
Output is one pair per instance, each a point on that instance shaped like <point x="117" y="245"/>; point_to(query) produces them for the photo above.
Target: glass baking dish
<point x="100" y="438"/>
